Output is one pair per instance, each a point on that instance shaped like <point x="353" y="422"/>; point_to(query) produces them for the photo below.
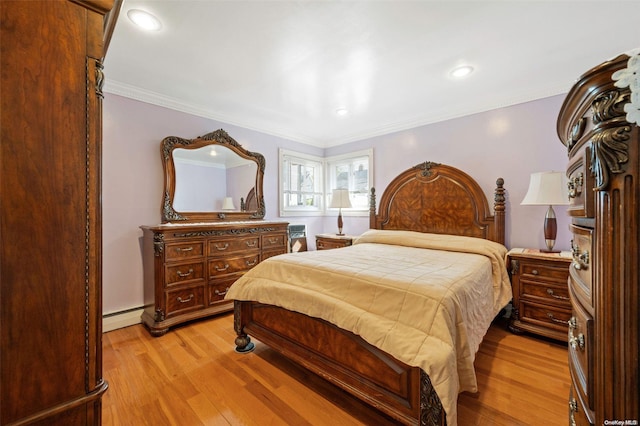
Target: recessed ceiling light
<point x="144" y="20"/>
<point x="462" y="71"/>
<point x="342" y="112"/>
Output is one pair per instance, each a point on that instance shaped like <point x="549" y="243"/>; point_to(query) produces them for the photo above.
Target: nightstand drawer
<point x="329" y="241"/>
<point x="546" y="293"/>
<point x="546" y="315"/>
<point x="544" y="272"/>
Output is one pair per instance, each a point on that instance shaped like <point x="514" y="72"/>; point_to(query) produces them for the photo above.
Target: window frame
<point x="331" y="180"/>
<point x="319" y="166"/>
<point x="328" y="182"/>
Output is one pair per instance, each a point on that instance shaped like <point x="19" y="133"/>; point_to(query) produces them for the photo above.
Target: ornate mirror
<point x="211" y="178"/>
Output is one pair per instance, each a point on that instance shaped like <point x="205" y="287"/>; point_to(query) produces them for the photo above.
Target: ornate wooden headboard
<point x="439" y="199"/>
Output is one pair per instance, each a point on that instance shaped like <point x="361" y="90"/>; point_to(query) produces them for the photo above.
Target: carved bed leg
<point x="243" y="341"/>
<point x="431" y="411"/>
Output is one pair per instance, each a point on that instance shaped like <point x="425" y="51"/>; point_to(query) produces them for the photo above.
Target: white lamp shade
<point x="227" y="204"/>
<point x="547" y="188"/>
<point x="340" y="199"/>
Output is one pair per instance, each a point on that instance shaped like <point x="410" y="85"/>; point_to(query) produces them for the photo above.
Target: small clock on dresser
<point x="540" y="293"/>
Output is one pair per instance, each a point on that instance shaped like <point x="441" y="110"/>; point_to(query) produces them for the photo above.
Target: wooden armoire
<point x="50" y="213"/>
<point x="598" y="126"/>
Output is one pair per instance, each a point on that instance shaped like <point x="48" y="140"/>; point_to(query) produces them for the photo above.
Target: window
<point x="304" y="191"/>
<point x="301" y="184"/>
<point x="352" y="171"/>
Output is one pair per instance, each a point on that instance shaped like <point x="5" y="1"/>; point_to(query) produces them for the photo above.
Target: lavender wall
<point x="510" y="143"/>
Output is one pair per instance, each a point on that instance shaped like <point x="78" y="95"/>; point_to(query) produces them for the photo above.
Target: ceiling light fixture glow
<point x="342" y="112"/>
<point x="144" y="20"/>
<point x="462" y="71"/>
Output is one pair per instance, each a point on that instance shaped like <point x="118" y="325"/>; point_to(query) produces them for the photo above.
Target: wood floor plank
<point x="192" y="376"/>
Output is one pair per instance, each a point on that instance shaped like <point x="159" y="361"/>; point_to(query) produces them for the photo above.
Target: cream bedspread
<point x="426" y="299"/>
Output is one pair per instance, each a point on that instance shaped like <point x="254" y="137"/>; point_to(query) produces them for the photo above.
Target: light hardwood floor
<point x="192" y="376"/>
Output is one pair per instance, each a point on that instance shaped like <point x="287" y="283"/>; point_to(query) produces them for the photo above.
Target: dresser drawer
<point x="271" y="241"/>
<point x="581" y="270"/>
<point x="579" y="415"/>
<point x="223" y="246"/>
<point x="183" y="273"/>
<point x="579" y="348"/>
<point x="219" y="288"/>
<point x="184" y="250"/>
<point x="580" y="186"/>
<point x="545" y="292"/>
<point x="271" y="253"/>
<point x="182" y="300"/>
<point x="553" y="317"/>
<point x="231" y="265"/>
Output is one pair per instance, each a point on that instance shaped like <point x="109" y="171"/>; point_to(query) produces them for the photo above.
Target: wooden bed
<point x="430" y="198"/>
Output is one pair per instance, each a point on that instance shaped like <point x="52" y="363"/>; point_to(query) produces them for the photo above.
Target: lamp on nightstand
<point x="340" y="200"/>
<point x="547" y="189"/>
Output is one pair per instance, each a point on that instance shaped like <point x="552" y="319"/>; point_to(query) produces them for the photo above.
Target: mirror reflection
<point x="212" y="178"/>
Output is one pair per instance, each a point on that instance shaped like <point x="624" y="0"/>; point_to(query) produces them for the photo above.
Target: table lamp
<point x="547" y="189"/>
<point x="340" y="200"/>
<point x="227" y="204"/>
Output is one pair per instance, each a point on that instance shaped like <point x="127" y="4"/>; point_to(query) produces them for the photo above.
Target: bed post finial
<point x="499" y="211"/>
<point x="372" y="208"/>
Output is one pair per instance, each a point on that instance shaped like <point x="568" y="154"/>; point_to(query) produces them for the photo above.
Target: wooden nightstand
<point x="540" y="292"/>
<point x="331" y="241"/>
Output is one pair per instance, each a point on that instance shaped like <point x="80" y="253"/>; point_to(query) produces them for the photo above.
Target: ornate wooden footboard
<point x="429" y="198"/>
<point x="343" y="358"/>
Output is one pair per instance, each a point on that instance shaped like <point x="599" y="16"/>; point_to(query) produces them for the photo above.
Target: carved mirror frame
<point x="216" y="138"/>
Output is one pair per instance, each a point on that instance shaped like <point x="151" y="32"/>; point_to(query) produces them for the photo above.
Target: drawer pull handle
<point x="573" y="408"/>
<point x="222" y="247"/>
<point x="573" y="324"/>
<point x="553" y="319"/>
<point x="221" y="293"/>
<point x="555" y="296"/>
<point x="188" y="299"/>
<point x="534" y="272"/>
<point x="273" y="240"/>
<point x="252" y="243"/>
<point x="574" y="185"/>
<point x="576" y="342"/>
<point x="185" y="274"/>
<point x="251" y="262"/>
<point x="185" y="249"/>
<point x="226" y="266"/>
<point x="580" y="260"/>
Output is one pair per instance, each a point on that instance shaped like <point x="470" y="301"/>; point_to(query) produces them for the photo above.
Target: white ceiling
<point x="285" y="67"/>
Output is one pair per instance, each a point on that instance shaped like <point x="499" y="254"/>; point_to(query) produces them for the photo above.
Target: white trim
<point x="120" y="320"/>
<point x="303" y="211"/>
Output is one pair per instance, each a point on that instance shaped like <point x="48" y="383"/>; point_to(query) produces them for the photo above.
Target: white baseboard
<point x="120" y="320"/>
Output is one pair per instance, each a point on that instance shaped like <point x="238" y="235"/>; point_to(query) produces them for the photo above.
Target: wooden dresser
<point x="540" y="293"/>
<point x="188" y="268"/>
<point x="51" y="55"/>
<point x="603" y="170"/>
